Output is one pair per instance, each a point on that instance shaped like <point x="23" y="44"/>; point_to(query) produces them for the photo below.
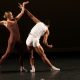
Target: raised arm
<point x="1" y="23"/>
<point x="32" y="16"/>
<point x="22" y="7"/>
<point x="45" y="39"/>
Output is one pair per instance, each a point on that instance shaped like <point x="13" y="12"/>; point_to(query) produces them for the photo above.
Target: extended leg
<point x="8" y="51"/>
<point x="40" y="51"/>
<point x="30" y="49"/>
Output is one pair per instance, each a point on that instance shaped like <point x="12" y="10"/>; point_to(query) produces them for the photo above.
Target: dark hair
<point x="47" y="22"/>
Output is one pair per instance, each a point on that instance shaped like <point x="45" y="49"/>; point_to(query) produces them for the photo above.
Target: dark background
<point x="64" y="16"/>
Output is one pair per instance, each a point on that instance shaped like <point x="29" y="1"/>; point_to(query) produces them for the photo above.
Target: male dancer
<point x="32" y="42"/>
<point x="11" y="24"/>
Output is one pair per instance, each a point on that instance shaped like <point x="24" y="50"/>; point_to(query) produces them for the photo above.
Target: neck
<point x="8" y="19"/>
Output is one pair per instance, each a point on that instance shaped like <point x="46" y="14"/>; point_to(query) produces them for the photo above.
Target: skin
<point x="11" y="24"/>
<point x="39" y="49"/>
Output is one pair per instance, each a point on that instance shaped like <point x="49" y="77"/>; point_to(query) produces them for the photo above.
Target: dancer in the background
<point x="32" y="42"/>
<point x="14" y="39"/>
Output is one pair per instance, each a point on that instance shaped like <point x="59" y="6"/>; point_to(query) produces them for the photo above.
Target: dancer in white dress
<point x="32" y="42"/>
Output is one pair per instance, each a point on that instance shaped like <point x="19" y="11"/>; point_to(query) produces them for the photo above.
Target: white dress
<point x="35" y="34"/>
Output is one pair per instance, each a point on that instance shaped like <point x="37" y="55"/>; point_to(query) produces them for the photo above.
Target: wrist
<point x="22" y="9"/>
<point x="46" y="43"/>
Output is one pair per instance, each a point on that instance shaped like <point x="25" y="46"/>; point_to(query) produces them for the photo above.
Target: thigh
<point x="11" y="42"/>
<point x="39" y="49"/>
<point x="29" y="41"/>
<point x="35" y="42"/>
<point x="10" y="46"/>
<point x="30" y="50"/>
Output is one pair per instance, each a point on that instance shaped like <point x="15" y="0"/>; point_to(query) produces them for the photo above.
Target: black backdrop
<point x="64" y="16"/>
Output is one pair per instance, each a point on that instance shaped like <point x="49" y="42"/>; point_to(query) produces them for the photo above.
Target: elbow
<point x="44" y="42"/>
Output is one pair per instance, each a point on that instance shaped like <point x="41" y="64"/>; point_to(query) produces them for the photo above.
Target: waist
<point x="34" y="36"/>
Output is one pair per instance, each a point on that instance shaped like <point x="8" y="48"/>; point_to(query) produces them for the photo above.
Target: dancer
<point x="14" y="39"/>
<point x="32" y="42"/>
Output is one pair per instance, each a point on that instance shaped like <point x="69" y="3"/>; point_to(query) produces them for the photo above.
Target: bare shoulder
<point x="3" y="22"/>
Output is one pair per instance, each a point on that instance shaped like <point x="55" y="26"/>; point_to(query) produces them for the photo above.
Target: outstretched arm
<point x="45" y="39"/>
<point x="32" y="16"/>
<point x="22" y="7"/>
<point x="2" y="22"/>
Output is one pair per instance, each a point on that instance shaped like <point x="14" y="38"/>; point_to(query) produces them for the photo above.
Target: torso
<point x="12" y="26"/>
<point x="39" y="29"/>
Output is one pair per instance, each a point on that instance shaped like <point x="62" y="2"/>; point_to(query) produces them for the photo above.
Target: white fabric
<point x="32" y="41"/>
<point x="37" y="31"/>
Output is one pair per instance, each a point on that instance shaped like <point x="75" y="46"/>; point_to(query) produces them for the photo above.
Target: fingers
<point x="50" y="46"/>
<point x="24" y="3"/>
<point x="20" y="6"/>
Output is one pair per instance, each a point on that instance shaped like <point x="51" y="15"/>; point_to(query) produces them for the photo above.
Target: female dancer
<point x="11" y="24"/>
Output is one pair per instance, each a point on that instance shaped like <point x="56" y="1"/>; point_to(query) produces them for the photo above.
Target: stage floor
<point x="70" y="70"/>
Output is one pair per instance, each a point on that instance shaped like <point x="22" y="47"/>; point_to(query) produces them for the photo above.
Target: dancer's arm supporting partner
<point x="22" y="7"/>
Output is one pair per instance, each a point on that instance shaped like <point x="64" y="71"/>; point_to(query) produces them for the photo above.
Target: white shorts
<point x="32" y="41"/>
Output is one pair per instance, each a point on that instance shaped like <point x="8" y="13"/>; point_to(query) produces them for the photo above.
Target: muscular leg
<point x="8" y="51"/>
<point x="40" y="51"/>
<point x="30" y="49"/>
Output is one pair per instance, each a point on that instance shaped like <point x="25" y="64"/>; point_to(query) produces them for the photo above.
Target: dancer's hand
<point x="50" y="46"/>
<point x="23" y="4"/>
<point x="20" y="5"/>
